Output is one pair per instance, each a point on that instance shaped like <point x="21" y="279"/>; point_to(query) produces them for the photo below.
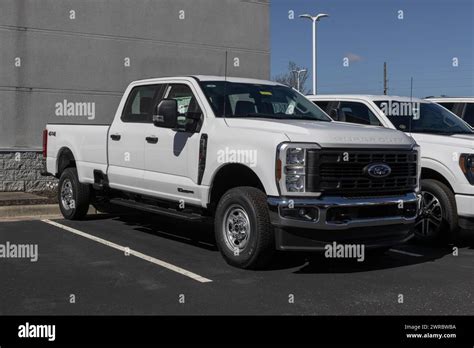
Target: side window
<point x="187" y="102"/>
<point x="323" y="104"/>
<point x="449" y="106"/>
<point x="469" y="114"/>
<point x="139" y="105"/>
<point x="354" y="112"/>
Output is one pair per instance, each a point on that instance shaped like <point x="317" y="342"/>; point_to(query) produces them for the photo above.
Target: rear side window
<point x="354" y="112"/>
<point x="322" y="104"/>
<point x="469" y="114"/>
<point x="449" y="106"/>
<point x="139" y="105"/>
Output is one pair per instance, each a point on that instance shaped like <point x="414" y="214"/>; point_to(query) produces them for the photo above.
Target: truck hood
<point x="327" y="134"/>
<point x="456" y="141"/>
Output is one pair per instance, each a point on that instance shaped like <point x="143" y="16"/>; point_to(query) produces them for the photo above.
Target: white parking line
<point x="405" y="253"/>
<point x="131" y="252"/>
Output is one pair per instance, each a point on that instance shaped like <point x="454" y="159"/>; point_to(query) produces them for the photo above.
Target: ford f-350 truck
<point x="270" y="168"/>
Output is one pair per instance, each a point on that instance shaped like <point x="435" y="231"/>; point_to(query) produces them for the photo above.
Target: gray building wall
<point x="78" y="50"/>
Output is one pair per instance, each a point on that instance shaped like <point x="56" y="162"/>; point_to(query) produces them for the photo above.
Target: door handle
<point x="115" y="137"/>
<point x="152" y="139"/>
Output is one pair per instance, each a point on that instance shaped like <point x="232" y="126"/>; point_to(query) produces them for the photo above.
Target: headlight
<point x="466" y="162"/>
<point x="291" y="168"/>
<point x="295" y="155"/>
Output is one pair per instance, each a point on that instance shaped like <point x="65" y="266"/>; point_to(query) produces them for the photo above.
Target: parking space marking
<point x="405" y="253"/>
<point x="153" y="260"/>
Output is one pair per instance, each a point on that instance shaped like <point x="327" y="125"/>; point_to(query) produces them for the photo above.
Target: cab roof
<point x="205" y="78"/>
<point x="369" y="97"/>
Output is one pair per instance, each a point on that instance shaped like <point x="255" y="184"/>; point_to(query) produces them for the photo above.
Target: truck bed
<point x="87" y="142"/>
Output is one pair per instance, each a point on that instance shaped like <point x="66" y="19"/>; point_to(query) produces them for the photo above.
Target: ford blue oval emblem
<point x="378" y="170"/>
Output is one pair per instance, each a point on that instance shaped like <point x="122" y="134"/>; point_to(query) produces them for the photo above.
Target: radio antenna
<point x="225" y="83"/>
<point x="411" y="103"/>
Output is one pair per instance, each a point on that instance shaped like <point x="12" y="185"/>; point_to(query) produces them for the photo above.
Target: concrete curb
<point x="37" y="211"/>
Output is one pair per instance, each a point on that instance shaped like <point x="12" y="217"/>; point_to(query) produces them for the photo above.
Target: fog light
<point x="310" y="214"/>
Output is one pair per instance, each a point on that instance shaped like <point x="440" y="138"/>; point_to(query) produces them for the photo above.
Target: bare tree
<point x="290" y="78"/>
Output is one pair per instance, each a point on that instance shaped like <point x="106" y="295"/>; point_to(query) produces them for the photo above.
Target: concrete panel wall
<point x="82" y="59"/>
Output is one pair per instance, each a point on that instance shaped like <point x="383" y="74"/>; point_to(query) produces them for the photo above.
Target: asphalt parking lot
<point x="145" y="264"/>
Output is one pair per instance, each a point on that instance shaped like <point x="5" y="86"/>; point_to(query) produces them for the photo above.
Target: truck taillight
<point x="45" y="143"/>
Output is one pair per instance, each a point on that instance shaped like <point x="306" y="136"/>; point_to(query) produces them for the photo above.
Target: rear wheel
<point x="243" y="230"/>
<point x="73" y="197"/>
<point x="437" y="220"/>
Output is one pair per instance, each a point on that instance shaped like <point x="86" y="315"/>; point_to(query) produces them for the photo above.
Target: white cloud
<point x="354" y="57"/>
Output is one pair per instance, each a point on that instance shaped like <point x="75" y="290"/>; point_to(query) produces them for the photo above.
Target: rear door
<point x="126" y="142"/>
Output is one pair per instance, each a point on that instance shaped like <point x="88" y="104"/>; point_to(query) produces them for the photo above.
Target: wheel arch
<point x="428" y="173"/>
<point x="65" y="159"/>
<point x="230" y="176"/>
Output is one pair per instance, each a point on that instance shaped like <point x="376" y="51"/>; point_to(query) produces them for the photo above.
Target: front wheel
<point x="244" y="234"/>
<point x="437" y="220"/>
<point x="73" y="197"/>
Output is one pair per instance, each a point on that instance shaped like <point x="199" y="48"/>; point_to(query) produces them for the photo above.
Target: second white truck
<point x="447" y="155"/>
<point x="269" y="167"/>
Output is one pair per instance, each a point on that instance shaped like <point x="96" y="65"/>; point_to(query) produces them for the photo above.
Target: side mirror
<point x="166" y="114"/>
<point x="338" y="115"/>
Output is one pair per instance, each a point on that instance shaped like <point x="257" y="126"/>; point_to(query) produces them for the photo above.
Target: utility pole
<point x="385" y="80"/>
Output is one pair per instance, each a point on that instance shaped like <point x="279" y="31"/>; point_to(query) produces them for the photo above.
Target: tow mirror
<point x="166" y="114"/>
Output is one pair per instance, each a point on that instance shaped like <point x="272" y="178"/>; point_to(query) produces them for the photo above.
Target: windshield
<point x="254" y="100"/>
<point x="416" y="117"/>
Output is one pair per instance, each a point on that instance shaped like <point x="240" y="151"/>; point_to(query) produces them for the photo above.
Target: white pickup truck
<point x="447" y="154"/>
<point x="270" y="168"/>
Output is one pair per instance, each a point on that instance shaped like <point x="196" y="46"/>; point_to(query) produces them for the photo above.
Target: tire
<point x="73" y="197"/>
<point x="438" y="219"/>
<point x="252" y="246"/>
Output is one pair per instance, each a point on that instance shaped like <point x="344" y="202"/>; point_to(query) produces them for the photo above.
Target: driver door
<point x="171" y="156"/>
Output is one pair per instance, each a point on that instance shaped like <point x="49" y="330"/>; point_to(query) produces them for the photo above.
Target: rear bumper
<point x="310" y="224"/>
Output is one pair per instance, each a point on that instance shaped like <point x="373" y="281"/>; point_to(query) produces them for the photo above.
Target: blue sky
<point x="422" y="45"/>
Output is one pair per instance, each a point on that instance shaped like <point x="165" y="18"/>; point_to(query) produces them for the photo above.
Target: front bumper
<point x="465" y="205"/>
<point x="311" y="223"/>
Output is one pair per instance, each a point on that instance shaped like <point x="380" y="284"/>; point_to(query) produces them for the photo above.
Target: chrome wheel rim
<point x="67" y="195"/>
<point x="430" y="216"/>
<point x="236" y="228"/>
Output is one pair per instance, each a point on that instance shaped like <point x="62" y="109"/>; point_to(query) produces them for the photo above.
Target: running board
<point x="159" y="210"/>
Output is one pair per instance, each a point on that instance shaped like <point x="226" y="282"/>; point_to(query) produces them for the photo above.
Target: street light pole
<point x="315" y="60"/>
<point x="298" y="72"/>
<point x="314" y="19"/>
